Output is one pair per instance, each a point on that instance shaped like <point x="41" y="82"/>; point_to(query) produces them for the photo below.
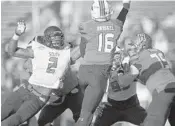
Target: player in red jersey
<point x="99" y="36"/>
<point x="157" y="76"/>
<point x="122" y="104"/>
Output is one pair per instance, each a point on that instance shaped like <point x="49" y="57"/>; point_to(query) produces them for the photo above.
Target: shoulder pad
<point x="67" y="46"/>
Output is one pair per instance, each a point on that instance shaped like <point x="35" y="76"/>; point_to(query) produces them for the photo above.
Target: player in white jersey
<point x="50" y="59"/>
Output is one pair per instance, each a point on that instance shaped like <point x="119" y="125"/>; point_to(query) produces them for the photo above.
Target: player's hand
<point x="134" y="70"/>
<point x="126" y="4"/>
<point x="21" y="27"/>
<point x="127" y="1"/>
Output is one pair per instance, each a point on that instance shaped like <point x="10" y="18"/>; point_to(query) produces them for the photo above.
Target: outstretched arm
<point x="13" y="48"/>
<point x="123" y="13"/>
<point x="75" y="54"/>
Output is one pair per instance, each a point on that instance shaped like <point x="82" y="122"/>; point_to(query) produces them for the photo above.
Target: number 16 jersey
<point x="99" y="39"/>
<point x="49" y="65"/>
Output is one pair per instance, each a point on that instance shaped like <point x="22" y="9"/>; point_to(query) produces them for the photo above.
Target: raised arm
<point x="79" y="51"/>
<point x="123" y="13"/>
<point x="13" y="48"/>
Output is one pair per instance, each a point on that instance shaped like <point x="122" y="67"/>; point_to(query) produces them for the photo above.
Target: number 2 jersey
<point x="154" y="70"/>
<point x="48" y="65"/>
<point x="99" y="38"/>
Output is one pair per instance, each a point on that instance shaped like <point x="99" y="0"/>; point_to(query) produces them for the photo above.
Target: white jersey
<point x="49" y="65"/>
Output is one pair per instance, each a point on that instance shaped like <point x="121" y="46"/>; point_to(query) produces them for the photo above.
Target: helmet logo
<point x="141" y="37"/>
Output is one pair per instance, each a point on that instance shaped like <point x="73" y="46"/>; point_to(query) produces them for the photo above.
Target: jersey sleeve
<point x="122" y="17"/>
<point x="85" y="32"/>
<point x="29" y="45"/>
<point x="135" y="61"/>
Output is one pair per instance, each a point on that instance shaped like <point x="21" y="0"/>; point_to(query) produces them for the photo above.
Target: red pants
<point x="94" y="80"/>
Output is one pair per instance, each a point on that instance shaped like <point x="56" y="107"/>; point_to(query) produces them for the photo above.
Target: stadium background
<point x="156" y="18"/>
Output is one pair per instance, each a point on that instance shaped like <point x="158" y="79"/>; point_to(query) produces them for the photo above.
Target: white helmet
<point x="101" y="10"/>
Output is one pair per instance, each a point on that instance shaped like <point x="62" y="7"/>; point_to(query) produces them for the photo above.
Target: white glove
<point x="105" y="98"/>
<point x="134" y="70"/>
<point x="127" y="1"/>
<point x="21" y="27"/>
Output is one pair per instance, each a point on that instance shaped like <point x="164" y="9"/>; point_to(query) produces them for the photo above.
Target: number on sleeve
<point x="160" y="58"/>
<point x="103" y="39"/>
<point x="52" y="65"/>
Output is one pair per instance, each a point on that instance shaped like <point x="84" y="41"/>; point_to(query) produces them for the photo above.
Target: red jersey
<point x="100" y="38"/>
<point x="154" y="69"/>
<point x="149" y="62"/>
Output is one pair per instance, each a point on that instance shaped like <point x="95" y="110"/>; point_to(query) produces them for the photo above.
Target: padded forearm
<point x="122" y="15"/>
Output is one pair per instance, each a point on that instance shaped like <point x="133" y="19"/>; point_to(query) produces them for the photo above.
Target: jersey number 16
<point x="104" y="44"/>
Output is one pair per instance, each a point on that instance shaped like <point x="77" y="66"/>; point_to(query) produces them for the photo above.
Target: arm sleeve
<point x="122" y="15"/>
<point x="84" y="31"/>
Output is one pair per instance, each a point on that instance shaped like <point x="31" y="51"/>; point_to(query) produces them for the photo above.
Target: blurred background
<point x="157" y="18"/>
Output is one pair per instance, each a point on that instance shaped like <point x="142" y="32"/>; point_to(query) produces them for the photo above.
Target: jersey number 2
<point x="104" y="44"/>
<point x="52" y="65"/>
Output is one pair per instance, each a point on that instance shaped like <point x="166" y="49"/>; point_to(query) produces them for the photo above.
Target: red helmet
<point x="54" y="37"/>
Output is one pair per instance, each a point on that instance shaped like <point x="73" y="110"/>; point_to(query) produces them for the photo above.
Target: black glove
<point x="113" y="81"/>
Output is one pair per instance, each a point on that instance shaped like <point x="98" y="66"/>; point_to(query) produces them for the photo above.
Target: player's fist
<point x="21" y="27"/>
<point x="126" y="4"/>
<point x="127" y="1"/>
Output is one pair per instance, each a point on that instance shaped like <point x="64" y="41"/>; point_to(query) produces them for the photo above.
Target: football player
<point x="172" y="114"/>
<point x="66" y="98"/>
<point x="122" y="103"/>
<point x="99" y="36"/>
<point x="50" y="58"/>
<point x="156" y="74"/>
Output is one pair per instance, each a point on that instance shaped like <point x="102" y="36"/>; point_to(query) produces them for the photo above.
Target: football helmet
<point x="143" y="41"/>
<point x="54" y="37"/>
<point x="101" y="11"/>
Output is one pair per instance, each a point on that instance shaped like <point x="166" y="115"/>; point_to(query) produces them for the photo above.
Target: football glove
<point x="21" y="27"/>
<point x="127" y="1"/>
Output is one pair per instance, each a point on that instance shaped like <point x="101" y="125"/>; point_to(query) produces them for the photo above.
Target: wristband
<point x="15" y="37"/>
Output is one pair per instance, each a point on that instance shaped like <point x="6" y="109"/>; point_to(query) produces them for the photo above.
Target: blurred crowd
<point x="68" y="15"/>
